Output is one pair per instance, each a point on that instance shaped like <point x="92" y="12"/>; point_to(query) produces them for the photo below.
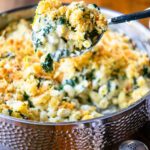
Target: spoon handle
<point x="130" y="17"/>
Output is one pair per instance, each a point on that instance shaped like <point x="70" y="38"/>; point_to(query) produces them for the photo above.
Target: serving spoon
<point x="122" y="19"/>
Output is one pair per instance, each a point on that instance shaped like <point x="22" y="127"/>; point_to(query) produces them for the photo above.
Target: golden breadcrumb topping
<point x="111" y="77"/>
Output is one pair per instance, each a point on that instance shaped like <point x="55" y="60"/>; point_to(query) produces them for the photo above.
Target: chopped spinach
<point x="73" y="29"/>
<point x="124" y="77"/>
<point x="116" y="71"/>
<point x="134" y="81"/>
<point x="47" y="65"/>
<point x="114" y="76"/>
<point x="59" y="88"/>
<point x="81" y="8"/>
<point x="47" y="29"/>
<point x="146" y="72"/>
<point x="61" y="21"/>
<point x="37" y="43"/>
<point x="60" y="54"/>
<point x="70" y="82"/>
<point x="135" y="86"/>
<point x="109" y="86"/>
<point x="8" y="55"/>
<point x="39" y="82"/>
<point x="76" y="79"/>
<point x="10" y="112"/>
<point x="23" y="116"/>
<point x="94" y="33"/>
<point x="26" y="97"/>
<point x="64" y="39"/>
<point x="95" y="6"/>
<point x="117" y="87"/>
<point x="90" y="75"/>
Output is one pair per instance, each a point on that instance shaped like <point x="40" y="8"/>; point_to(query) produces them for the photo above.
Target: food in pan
<point x="114" y="75"/>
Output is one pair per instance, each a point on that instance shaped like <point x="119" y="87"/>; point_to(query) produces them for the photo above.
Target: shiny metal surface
<point x="94" y="134"/>
<point x="133" y="145"/>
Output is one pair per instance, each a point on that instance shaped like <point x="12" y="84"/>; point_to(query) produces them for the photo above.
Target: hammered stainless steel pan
<point x="95" y="134"/>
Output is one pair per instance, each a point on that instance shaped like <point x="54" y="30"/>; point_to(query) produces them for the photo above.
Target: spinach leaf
<point x="26" y="97"/>
<point x="61" y="21"/>
<point x="146" y="72"/>
<point x="59" y="88"/>
<point x="47" y="29"/>
<point x="134" y="81"/>
<point x="8" y="55"/>
<point x="94" y="33"/>
<point x="10" y="112"/>
<point x="90" y="75"/>
<point x="23" y="116"/>
<point x="39" y="82"/>
<point x="95" y="6"/>
<point x="70" y="82"/>
<point x="37" y="44"/>
<point x="109" y="86"/>
<point x="60" y="54"/>
<point x="47" y="65"/>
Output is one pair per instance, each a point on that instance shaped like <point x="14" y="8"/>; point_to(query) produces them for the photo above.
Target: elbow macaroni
<point x="76" y="86"/>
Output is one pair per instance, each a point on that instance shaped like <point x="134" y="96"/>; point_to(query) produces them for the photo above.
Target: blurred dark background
<point x="124" y="6"/>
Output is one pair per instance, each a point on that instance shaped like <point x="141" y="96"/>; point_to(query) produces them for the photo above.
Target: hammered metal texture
<point x="96" y="134"/>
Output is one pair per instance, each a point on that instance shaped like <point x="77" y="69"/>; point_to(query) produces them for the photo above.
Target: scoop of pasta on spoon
<point x="61" y="31"/>
<point x="67" y="30"/>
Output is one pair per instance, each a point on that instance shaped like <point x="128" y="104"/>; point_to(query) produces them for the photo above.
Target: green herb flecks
<point x="39" y="82"/>
<point x="61" y="21"/>
<point x="26" y="97"/>
<point x="94" y="33"/>
<point x="134" y="81"/>
<point x="60" y="54"/>
<point x="23" y="116"/>
<point x="135" y="86"/>
<point x="59" y="87"/>
<point x="47" y="30"/>
<point x="37" y="44"/>
<point x="109" y="86"/>
<point x="70" y="82"/>
<point x="146" y="72"/>
<point x="95" y="6"/>
<point x="8" y="55"/>
<point x="10" y="112"/>
<point x="47" y="65"/>
<point x="90" y="75"/>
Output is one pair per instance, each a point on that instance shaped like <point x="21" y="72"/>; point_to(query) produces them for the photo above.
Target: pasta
<point x="80" y="88"/>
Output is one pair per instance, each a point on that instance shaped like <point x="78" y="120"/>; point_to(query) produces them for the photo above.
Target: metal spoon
<point x="133" y="145"/>
<point x="122" y="19"/>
